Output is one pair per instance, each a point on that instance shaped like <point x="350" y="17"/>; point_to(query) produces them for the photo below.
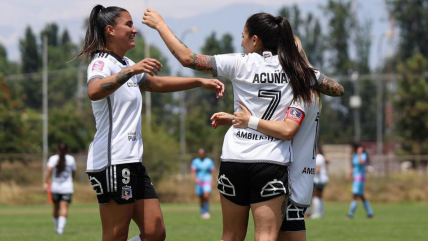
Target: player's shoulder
<point x="195" y="160"/>
<point x="107" y="58"/>
<point x="53" y="157"/>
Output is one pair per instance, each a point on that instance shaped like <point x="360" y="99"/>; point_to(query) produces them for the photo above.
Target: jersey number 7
<point x="275" y="97"/>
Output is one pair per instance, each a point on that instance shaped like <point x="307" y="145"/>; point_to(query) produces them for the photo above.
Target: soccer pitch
<point x="401" y="222"/>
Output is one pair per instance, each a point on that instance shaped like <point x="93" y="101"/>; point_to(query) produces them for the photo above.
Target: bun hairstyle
<point x="95" y="38"/>
<point x="276" y="36"/>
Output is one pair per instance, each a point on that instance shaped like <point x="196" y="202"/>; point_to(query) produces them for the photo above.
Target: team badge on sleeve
<point x="295" y="115"/>
<point x="98" y="66"/>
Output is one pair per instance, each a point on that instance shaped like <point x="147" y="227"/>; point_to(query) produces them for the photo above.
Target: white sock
<point x="61" y="224"/>
<point x="55" y="220"/>
<point x="316" y="206"/>
<point x="136" y="238"/>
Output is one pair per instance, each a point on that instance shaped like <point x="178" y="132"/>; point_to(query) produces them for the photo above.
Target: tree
<point x="11" y="125"/>
<point x="411" y="16"/>
<point x="31" y="63"/>
<point x="411" y="107"/>
<point x="292" y="14"/>
<point x="340" y="24"/>
<point x="313" y="41"/>
<point x="309" y="31"/>
<point x="362" y="43"/>
<point x="30" y="57"/>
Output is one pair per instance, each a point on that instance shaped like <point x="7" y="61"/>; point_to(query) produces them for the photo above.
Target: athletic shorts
<point x="319" y="186"/>
<point x="249" y="183"/>
<point x="294" y="219"/>
<point x="123" y="183"/>
<point x="201" y="189"/>
<point x="358" y="187"/>
<point x="57" y="197"/>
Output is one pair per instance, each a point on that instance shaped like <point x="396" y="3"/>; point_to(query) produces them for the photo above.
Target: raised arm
<point x="181" y="52"/>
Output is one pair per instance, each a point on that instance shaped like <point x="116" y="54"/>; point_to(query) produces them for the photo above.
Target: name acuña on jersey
<point x="271" y="78"/>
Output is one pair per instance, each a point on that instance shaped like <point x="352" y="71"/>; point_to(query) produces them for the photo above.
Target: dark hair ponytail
<point x="95" y="38"/>
<point x="276" y="35"/>
<point x="62" y="149"/>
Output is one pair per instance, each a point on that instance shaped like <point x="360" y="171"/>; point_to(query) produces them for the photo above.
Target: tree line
<point x="327" y="45"/>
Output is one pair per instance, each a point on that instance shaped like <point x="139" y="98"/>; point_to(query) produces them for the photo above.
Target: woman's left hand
<point x="241" y="117"/>
<point x="213" y="85"/>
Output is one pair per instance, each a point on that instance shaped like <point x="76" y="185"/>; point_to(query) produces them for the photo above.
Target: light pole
<point x="45" y="105"/>
<point x="183" y="111"/>
<point x="355" y="103"/>
<point x="379" y="125"/>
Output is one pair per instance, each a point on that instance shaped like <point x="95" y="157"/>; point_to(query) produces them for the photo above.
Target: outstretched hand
<point x="213" y="85"/>
<point x="152" y="18"/>
<point x="221" y="119"/>
<point x="149" y="66"/>
<point x="241" y="117"/>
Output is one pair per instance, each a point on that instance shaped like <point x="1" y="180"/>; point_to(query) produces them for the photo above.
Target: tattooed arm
<point x="99" y="88"/>
<point x="331" y="87"/>
<point x="181" y="52"/>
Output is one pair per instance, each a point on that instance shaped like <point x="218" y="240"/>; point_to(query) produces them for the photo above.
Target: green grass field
<point x="401" y="222"/>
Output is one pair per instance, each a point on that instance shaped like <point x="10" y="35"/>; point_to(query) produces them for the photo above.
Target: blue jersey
<point x="359" y="170"/>
<point x="203" y="168"/>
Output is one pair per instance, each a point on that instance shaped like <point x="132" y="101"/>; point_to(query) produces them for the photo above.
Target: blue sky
<point x="221" y="16"/>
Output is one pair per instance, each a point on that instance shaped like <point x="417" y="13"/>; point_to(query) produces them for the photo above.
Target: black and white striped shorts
<point x="123" y="183"/>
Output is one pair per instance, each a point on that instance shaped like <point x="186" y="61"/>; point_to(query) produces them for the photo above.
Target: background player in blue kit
<point x="358" y="171"/>
<point x="203" y="172"/>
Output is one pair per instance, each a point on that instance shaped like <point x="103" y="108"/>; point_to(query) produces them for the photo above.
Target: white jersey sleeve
<point x="300" y="105"/>
<point x="227" y="65"/>
<point x="100" y="67"/>
<point x="53" y="161"/>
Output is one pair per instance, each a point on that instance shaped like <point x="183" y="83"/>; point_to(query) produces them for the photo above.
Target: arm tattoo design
<point x="204" y="63"/>
<point x="175" y="55"/>
<point x="121" y="78"/>
<point x="109" y="86"/>
<point x="145" y="85"/>
<point x="331" y="87"/>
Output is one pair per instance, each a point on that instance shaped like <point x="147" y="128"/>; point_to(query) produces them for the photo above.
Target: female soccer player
<point x="253" y="173"/>
<point x="114" y="165"/>
<point x="293" y="227"/>
<point x="59" y="179"/>
<point x="203" y="172"/>
<point x="358" y="173"/>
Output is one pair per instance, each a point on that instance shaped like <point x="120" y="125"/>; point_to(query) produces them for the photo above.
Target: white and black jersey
<point x="304" y="146"/>
<point x="118" y="138"/>
<point x="260" y="84"/>
<point x="62" y="183"/>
